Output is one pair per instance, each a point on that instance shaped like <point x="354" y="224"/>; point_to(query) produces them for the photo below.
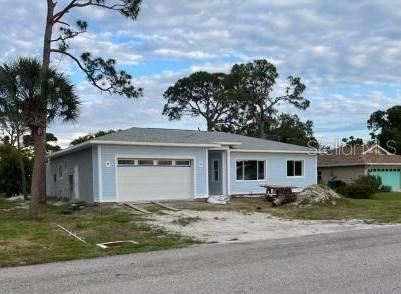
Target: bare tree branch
<point x="62" y="22"/>
<point x="57" y="16"/>
<point x="72" y="35"/>
<point x="74" y="3"/>
<point x="89" y="76"/>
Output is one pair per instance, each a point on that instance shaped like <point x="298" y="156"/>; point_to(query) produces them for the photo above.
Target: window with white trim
<point x="215" y="170"/>
<point x="145" y="162"/>
<point x="250" y="170"/>
<point x="295" y="168"/>
<point x="182" y="163"/>
<point x="164" y="162"/>
<point x="126" y="162"/>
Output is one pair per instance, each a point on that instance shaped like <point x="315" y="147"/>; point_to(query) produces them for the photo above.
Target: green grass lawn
<point x="387" y="196"/>
<point x="26" y="241"/>
<point x="381" y="207"/>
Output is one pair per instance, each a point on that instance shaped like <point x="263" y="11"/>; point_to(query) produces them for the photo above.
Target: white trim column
<point x="224" y="171"/>
<point x="228" y="172"/>
<point x="207" y="172"/>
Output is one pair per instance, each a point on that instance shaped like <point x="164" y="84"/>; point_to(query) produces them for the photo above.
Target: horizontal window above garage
<point x="154" y="162"/>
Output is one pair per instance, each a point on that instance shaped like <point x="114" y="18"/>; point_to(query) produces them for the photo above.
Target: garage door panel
<point x="154" y="183"/>
<point x="390" y="177"/>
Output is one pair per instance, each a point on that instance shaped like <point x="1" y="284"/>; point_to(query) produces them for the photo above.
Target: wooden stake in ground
<point x="133" y="206"/>
<point x="165" y="206"/>
<point x="72" y="234"/>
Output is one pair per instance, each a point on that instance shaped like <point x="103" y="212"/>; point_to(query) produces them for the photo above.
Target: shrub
<point x="334" y="184"/>
<point x="10" y="172"/>
<point x="356" y="190"/>
<point x="374" y="182"/>
<point x="385" y="189"/>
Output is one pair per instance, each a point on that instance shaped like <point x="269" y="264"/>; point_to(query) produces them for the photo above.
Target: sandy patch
<point x="219" y="226"/>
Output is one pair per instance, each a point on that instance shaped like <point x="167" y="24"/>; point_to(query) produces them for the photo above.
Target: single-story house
<point x="348" y="163"/>
<point x="156" y="164"/>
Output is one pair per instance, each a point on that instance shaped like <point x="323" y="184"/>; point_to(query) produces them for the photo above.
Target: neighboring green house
<point x="348" y="163"/>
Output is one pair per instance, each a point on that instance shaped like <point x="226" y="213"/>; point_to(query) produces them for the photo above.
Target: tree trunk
<point x="38" y="177"/>
<point x="22" y="167"/>
<point x="210" y="126"/>
<point x="38" y="186"/>
<point x="262" y="133"/>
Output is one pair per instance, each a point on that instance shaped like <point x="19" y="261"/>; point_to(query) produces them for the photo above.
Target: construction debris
<point x="219" y="199"/>
<point x="72" y="234"/>
<point x="165" y="206"/>
<point x="115" y="244"/>
<point x="16" y="198"/>
<point x="133" y="206"/>
<point x="317" y="194"/>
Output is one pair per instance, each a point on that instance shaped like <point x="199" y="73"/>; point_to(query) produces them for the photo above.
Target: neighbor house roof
<point x="190" y="138"/>
<point x="358" y="155"/>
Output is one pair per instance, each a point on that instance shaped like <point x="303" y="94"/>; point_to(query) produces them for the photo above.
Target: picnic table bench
<point x="279" y="194"/>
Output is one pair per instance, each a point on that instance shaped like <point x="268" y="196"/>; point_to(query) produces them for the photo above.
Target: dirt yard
<point x="231" y="226"/>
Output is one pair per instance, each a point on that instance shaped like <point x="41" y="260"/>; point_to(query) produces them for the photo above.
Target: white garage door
<point x="154" y="179"/>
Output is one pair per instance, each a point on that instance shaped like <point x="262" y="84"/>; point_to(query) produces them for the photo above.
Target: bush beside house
<point x="10" y="171"/>
<point x="363" y="188"/>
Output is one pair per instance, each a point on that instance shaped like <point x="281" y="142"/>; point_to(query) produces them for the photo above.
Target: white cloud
<point x="347" y="52"/>
<point x="182" y="54"/>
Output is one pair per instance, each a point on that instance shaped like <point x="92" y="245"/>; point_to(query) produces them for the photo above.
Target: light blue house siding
<point x="97" y="170"/>
<point x="275" y="171"/>
<point x="108" y="154"/>
<point x="61" y="186"/>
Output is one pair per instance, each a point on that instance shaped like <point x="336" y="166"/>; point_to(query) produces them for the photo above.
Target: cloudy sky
<point x="347" y="52"/>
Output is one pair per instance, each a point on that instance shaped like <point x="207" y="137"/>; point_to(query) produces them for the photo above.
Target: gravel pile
<point x="317" y="194"/>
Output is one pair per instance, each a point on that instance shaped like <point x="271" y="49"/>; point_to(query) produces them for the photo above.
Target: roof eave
<point x="100" y="142"/>
<point x="126" y="143"/>
<point x="311" y="152"/>
<point x="357" y="164"/>
<point x="70" y="149"/>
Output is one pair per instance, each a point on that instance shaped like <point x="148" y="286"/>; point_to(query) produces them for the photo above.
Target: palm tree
<point x="20" y="87"/>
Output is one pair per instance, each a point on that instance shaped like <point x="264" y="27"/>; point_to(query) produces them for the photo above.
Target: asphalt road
<point x="366" y="261"/>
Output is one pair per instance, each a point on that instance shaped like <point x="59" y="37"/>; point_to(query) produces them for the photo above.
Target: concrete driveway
<point x="365" y="261"/>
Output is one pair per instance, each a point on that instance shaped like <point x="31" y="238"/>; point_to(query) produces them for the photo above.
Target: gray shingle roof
<point x="154" y="135"/>
<point x="356" y="155"/>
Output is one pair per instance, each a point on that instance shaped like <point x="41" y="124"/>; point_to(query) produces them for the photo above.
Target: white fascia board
<point x="342" y="165"/>
<point x="154" y="144"/>
<point x="228" y="143"/>
<point x="312" y="152"/>
<point x="69" y="150"/>
<point x="98" y="142"/>
<point x="359" y="164"/>
<point x="389" y="164"/>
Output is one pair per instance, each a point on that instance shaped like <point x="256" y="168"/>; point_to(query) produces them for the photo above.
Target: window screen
<point x="250" y="170"/>
<point x="295" y="168"/>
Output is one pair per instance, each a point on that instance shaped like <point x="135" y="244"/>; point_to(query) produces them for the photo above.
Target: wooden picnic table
<point x="279" y="194"/>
